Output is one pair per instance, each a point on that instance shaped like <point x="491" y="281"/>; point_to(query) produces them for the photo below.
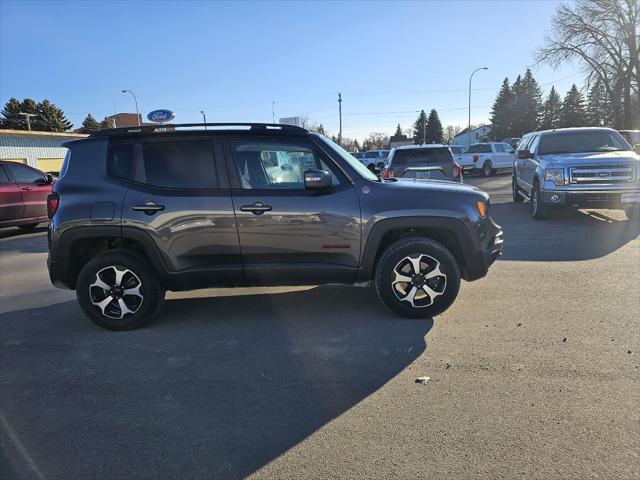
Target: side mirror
<point x="50" y="178"/>
<point x="524" y="154"/>
<point x="317" y="179"/>
<point x="46" y="180"/>
<point x="636" y="148"/>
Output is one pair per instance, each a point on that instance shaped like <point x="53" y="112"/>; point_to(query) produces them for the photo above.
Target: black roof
<point x="173" y="127"/>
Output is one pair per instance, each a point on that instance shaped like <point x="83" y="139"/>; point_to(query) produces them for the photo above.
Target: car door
<point x="178" y="195"/>
<point x="288" y="234"/>
<point x="508" y="156"/>
<point x="520" y="162"/>
<point x="34" y="189"/>
<point x="11" y="206"/>
<point x="531" y="164"/>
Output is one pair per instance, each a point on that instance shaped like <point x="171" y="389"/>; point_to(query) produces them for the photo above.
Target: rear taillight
<point x="457" y="170"/>
<point x="53" y="202"/>
<point x="387" y="173"/>
<point x="476" y="158"/>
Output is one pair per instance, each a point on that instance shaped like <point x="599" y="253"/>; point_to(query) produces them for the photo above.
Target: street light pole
<point x="340" y="114"/>
<point x="204" y="119"/>
<point x="136" y="101"/>
<point x="469" y="126"/>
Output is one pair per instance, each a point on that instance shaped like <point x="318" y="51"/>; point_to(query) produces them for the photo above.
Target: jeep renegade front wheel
<point x="117" y="290"/>
<point x="417" y="278"/>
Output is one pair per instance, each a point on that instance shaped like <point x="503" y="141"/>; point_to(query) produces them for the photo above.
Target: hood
<point x="594" y="158"/>
<point x="432" y="185"/>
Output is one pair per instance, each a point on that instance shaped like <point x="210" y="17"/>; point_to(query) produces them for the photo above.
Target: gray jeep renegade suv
<point x="143" y="210"/>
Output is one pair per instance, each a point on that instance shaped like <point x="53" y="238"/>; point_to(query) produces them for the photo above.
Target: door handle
<point x="26" y="188"/>
<point x="149" y="208"/>
<point x="258" y="208"/>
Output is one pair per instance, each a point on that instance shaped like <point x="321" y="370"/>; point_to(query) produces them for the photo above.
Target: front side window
<point x="371" y="155"/>
<point x="3" y="176"/>
<point x="582" y="141"/>
<point x="347" y="157"/>
<point x="24" y="174"/>
<point x="275" y="165"/>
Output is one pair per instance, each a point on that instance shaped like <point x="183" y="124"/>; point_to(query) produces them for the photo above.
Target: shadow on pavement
<point x="10" y="232"/>
<point x="569" y="234"/>
<point x="216" y="387"/>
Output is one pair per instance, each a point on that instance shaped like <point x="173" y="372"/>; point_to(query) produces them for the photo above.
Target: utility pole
<point x="28" y="116"/>
<point x="469" y="126"/>
<point x="424" y="131"/>
<point x="273" y="112"/>
<point x="340" y="115"/>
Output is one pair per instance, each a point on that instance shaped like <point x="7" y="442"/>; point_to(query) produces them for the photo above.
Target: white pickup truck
<point x="487" y="158"/>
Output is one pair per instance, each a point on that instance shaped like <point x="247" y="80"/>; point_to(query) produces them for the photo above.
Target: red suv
<point x="23" y="195"/>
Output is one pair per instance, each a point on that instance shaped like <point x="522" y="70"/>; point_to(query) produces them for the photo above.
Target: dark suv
<point x="139" y="211"/>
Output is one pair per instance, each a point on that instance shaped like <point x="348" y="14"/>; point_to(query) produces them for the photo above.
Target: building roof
<point x="463" y="132"/>
<point x="35" y="133"/>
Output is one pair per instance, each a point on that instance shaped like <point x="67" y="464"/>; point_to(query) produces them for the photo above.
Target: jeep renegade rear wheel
<point x="117" y="290"/>
<point x="417" y="278"/>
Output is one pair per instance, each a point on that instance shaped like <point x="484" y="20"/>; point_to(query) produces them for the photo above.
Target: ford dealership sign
<point x="161" y="116"/>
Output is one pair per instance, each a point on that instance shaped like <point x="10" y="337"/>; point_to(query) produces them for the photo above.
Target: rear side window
<point x="416" y="156"/>
<point x="480" y="148"/>
<point x="456" y="150"/>
<point x="179" y="164"/>
<point x="371" y="155"/>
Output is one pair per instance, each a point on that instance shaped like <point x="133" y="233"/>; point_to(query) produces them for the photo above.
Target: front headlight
<point x="556" y="175"/>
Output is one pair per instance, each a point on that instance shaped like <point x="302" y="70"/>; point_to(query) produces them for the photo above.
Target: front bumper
<point x="477" y="263"/>
<point x="587" y="198"/>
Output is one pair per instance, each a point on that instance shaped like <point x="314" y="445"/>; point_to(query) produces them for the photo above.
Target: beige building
<point x="42" y="150"/>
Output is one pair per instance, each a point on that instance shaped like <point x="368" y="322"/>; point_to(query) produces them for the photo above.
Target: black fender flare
<point x="457" y="228"/>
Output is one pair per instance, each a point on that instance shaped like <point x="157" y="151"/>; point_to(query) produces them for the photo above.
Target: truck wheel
<point x="539" y="211"/>
<point x="117" y="290"/>
<point x="632" y="212"/>
<point x="517" y="196"/>
<point x="487" y="168"/>
<point x="417" y="278"/>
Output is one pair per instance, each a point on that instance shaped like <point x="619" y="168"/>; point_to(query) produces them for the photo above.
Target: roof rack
<point x="260" y="127"/>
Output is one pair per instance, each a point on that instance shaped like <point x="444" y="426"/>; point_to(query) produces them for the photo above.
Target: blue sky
<point x="233" y="59"/>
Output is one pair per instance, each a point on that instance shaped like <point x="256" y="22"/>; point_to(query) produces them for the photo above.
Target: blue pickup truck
<point x="574" y="167"/>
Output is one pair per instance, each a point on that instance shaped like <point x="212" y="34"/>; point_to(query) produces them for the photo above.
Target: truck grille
<point x="601" y="174"/>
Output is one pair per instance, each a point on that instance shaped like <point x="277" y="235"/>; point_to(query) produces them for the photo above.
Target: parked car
<point x="375" y="160"/>
<point x="577" y="167"/>
<point x="632" y="137"/>
<point x="431" y="161"/>
<point x="358" y="155"/>
<point x="487" y="158"/>
<point x="140" y="211"/>
<point x="457" y="152"/>
<point x="23" y="195"/>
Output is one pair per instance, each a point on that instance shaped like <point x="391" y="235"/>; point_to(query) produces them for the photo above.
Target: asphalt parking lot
<point x="534" y="372"/>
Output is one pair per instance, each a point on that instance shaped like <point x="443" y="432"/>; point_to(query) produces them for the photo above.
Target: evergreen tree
<point x="51" y="118"/>
<point x="398" y="131"/>
<point x="598" y="106"/>
<point x="419" y="128"/>
<point x="89" y="124"/>
<point x="501" y="118"/>
<point x="551" y="111"/>
<point x="517" y="105"/>
<point x="435" y="132"/>
<point x="11" y="117"/>
<point x="573" y="112"/>
<point x="530" y="105"/>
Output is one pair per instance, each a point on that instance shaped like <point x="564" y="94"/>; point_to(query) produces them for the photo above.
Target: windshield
<point x="416" y="156"/>
<point x="582" y="141"/>
<point x="355" y="164"/>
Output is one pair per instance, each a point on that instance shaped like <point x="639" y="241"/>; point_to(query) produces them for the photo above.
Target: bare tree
<point x="450" y="132"/>
<point x="376" y="141"/>
<point x="604" y="35"/>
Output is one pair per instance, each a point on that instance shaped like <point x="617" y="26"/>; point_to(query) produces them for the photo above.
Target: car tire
<point x="412" y="299"/>
<point x="517" y="196"/>
<point x="539" y="211"/>
<point x="487" y="168"/>
<point x="632" y="213"/>
<point x="143" y="300"/>
<point x="28" y="227"/>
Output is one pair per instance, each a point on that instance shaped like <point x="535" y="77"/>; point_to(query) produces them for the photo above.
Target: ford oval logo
<point x="161" y="116"/>
<point x="603" y="174"/>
